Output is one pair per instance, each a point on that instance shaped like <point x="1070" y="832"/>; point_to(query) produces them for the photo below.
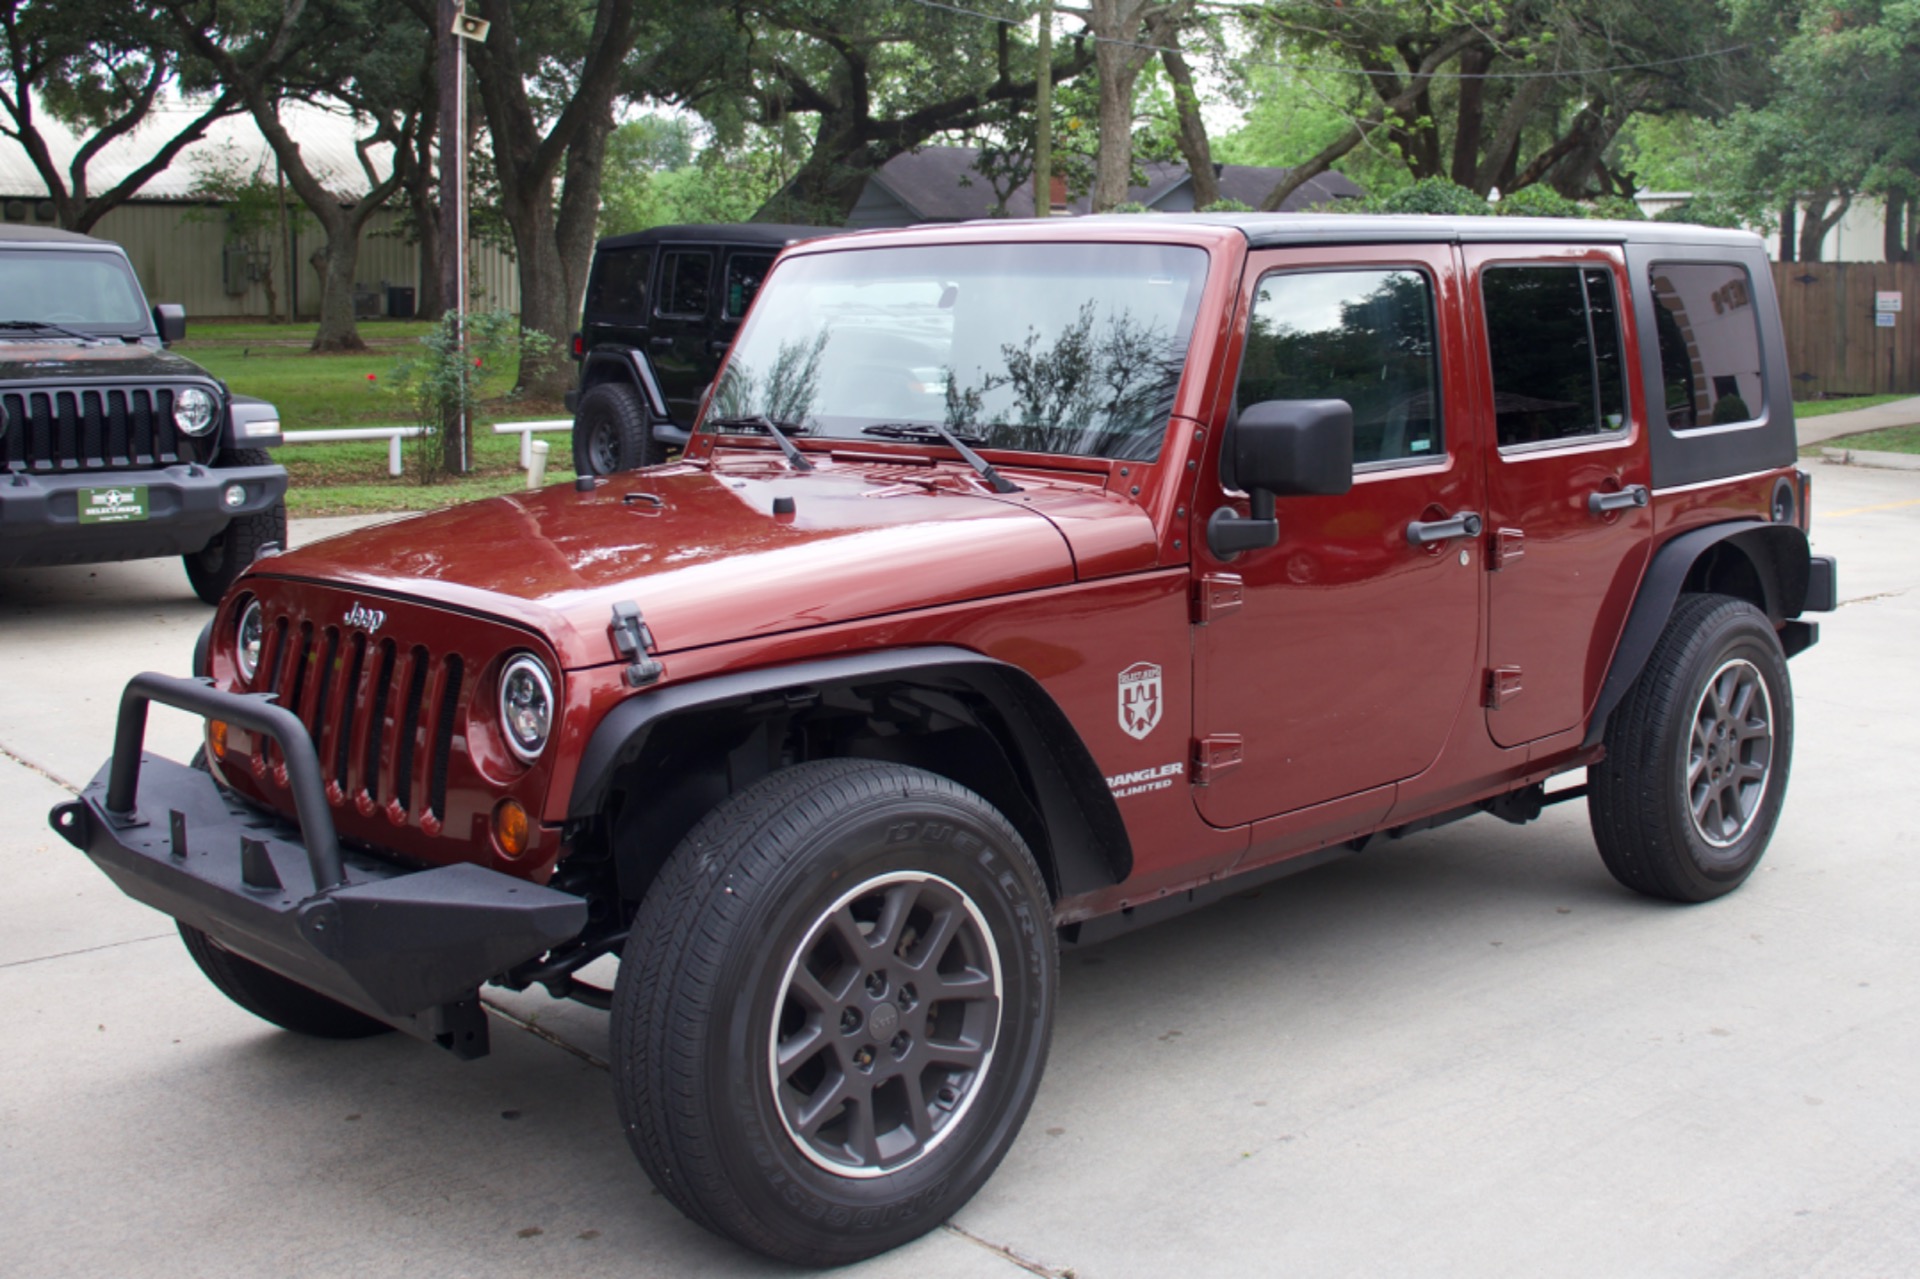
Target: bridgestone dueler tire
<point x="728" y="938"/>
<point x="213" y="568"/>
<point x="271" y="997"/>
<point x="612" y="432"/>
<point x="1640" y="800"/>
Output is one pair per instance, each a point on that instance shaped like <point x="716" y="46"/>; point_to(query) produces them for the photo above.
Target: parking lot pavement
<point x="1465" y="1053"/>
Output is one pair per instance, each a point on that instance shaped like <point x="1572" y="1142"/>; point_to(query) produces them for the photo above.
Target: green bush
<point x="447" y="378"/>
<point x="1617" y="207"/>
<point x="1703" y="210"/>
<point x="1538" y="202"/>
<point x="1429" y="195"/>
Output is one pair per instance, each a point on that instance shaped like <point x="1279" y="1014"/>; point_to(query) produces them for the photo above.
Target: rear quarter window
<point x="1710" y="367"/>
<point x="619" y="287"/>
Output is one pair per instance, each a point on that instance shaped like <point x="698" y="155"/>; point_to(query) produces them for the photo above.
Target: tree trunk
<point x="1192" y="133"/>
<point x="1470" y="119"/>
<point x="1789" y="237"/>
<point x="1116" y="28"/>
<point x="1822" y="215"/>
<point x="1894" y="233"/>
<point x="1503" y="152"/>
<point x="338" y="329"/>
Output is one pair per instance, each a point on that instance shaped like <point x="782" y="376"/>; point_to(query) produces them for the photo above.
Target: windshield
<point x="52" y="286"/>
<point x="1046" y="348"/>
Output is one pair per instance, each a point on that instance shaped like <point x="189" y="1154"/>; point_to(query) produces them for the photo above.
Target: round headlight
<point x="526" y="707"/>
<point x="250" y="639"/>
<point x="193" y="410"/>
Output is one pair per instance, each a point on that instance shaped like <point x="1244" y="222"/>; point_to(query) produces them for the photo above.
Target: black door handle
<point x="1625" y="500"/>
<point x="1427" y="532"/>
<point x="661" y="342"/>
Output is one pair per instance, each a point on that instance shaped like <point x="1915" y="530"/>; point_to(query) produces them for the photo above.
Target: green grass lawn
<point x="1892" y="439"/>
<point x="1820" y="408"/>
<point x="311" y="391"/>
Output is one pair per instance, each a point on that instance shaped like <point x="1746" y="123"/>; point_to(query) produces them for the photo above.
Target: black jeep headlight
<point x="193" y="410"/>
<point x="526" y="706"/>
<point x="249" y="638"/>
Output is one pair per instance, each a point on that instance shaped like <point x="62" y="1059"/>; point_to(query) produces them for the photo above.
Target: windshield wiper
<point x="795" y="458"/>
<point x="933" y="430"/>
<point x="55" y="328"/>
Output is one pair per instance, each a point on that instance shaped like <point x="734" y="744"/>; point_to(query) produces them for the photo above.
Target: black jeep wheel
<point x="612" y="432"/>
<point x="1697" y="755"/>
<point x="835" y="1009"/>
<point x="271" y="997"/>
<point x="213" y="568"/>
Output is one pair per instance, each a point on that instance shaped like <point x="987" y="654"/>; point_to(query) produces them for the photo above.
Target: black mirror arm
<point x="1229" y="533"/>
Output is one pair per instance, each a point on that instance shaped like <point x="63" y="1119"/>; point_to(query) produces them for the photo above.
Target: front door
<point x="1353" y="646"/>
<point x="1568" y="524"/>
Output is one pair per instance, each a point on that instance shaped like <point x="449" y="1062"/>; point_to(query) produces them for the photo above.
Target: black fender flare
<point x="608" y="363"/>
<point x="1090" y="847"/>
<point x="1779" y="556"/>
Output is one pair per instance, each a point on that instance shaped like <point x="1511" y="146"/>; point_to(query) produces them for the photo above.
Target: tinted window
<point x="1049" y="348"/>
<point x="619" y="287"/>
<point x="745" y="271"/>
<point x="1365" y="337"/>
<point x="1709" y="344"/>
<point x="684" y="279"/>
<point x="1554" y="336"/>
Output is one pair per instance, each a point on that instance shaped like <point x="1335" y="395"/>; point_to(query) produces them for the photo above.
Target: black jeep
<point x="111" y="446"/>
<point x="661" y="310"/>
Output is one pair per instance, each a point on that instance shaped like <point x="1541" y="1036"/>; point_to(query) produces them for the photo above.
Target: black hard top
<point x="1281" y="230"/>
<point x="768" y="233"/>
<point x="21" y="233"/>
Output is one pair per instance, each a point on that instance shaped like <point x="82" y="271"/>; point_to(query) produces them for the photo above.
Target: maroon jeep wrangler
<point x="1023" y="582"/>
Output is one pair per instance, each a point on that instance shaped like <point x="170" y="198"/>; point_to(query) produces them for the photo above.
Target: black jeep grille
<point x="383" y="715"/>
<point x="95" y="429"/>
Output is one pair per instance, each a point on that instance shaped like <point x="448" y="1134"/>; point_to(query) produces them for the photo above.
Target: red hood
<point x="710" y="561"/>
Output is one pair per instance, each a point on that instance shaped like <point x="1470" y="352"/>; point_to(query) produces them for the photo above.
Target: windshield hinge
<point x="1215" y="595"/>
<point x="1220" y="753"/>
<point x="633" y="641"/>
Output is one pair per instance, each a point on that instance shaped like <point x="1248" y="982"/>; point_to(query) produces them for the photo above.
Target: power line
<point x="1360" y="71"/>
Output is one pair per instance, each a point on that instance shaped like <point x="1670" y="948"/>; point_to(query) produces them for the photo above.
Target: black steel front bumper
<point x="186" y="509"/>
<point x="410" y="947"/>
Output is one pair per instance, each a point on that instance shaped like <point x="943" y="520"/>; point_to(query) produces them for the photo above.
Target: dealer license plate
<point x="113" y="506"/>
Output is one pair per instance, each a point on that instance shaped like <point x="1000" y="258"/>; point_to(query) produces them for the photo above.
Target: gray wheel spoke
<point x="847" y="929"/>
<point x="964" y="1056"/>
<point x="929" y="949"/>
<point x="967" y="985"/>
<point x="861" y="1136"/>
<point x="917" y="1108"/>
<point x="821" y="1107"/>
<point x="812" y="993"/>
<point x="795" y="1051"/>
<point x="886" y="930"/>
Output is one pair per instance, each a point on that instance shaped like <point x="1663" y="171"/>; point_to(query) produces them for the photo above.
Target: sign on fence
<point x="1886" y="302"/>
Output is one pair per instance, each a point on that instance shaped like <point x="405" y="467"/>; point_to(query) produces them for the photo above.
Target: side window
<point x="745" y="271"/>
<point x="1366" y="337"/>
<point x="1709" y="344"/>
<point x="619" y="286"/>
<point x="1554" y="336"/>
<point x="684" y="279"/>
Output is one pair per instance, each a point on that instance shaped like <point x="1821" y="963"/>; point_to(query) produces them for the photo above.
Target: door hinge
<point x="1215" y="755"/>
<point x="1215" y="595"/>
<point x="1509" y="544"/>
<point x="1503" y="685"/>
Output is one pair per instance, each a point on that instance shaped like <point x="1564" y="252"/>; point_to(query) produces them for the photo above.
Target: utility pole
<point x="1043" y="124"/>
<point x="455" y="29"/>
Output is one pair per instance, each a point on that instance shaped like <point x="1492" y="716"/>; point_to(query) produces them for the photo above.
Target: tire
<point x="612" y="431"/>
<point x="804" y="866"/>
<point x="1698" y="754"/>
<point x="271" y="997"/>
<point x="213" y="568"/>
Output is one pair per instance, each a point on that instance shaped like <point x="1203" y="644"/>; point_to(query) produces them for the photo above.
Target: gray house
<point x="940" y="184"/>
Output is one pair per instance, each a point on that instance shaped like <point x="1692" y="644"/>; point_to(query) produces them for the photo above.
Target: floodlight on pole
<point x="453" y="156"/>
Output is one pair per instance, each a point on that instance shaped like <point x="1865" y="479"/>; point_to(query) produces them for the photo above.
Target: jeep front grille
<point x="95" y="429"/>
<point x="383" y="715"/>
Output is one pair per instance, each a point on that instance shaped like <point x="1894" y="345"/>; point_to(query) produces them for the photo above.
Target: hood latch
<point x="633" y="641"/>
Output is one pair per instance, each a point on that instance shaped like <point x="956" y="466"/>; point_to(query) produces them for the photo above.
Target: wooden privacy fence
<point x="1835" y="346"/>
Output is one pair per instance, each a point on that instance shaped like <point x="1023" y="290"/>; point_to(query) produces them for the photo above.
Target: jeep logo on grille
<point x="367" y="619"/>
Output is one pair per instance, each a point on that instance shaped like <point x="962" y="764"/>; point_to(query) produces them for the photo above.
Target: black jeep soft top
<point x="111" y="446"/>
<point x="662" y="307"/>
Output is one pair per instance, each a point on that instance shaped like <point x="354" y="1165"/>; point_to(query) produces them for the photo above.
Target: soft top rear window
<point x="1710" y="369"/>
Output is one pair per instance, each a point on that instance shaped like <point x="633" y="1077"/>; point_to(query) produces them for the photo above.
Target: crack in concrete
<point x="1883" y="595"/>
<point x="85" y="950"/>
<point x="541" y="1032"/>
<point x="1002" y="1251"/>
<point x="30" y="766"/>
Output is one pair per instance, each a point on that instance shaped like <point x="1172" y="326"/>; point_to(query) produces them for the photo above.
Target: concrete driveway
<point x="1465" y="1053"/>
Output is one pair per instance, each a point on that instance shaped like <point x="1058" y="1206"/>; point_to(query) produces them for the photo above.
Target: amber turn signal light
<point x="510" y="827"/>
<point x="217" y="737"/>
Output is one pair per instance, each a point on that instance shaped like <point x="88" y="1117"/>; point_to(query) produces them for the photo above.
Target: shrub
<point x="1429" y="195"/>
<point x="449" y="376"/>
<point x="1538" y="202"/>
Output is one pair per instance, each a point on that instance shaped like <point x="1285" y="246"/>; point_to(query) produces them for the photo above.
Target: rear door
<point x="1338" y="661"/>
<point x="1567" y="481"/>
<point x="684" y="306"/>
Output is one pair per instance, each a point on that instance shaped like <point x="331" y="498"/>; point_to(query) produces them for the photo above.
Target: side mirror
<point x="1280" y="448"/>
<point x="170" y="318"/>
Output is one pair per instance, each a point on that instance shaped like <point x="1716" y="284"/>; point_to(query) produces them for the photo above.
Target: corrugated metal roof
<point x="326" y="141"/>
